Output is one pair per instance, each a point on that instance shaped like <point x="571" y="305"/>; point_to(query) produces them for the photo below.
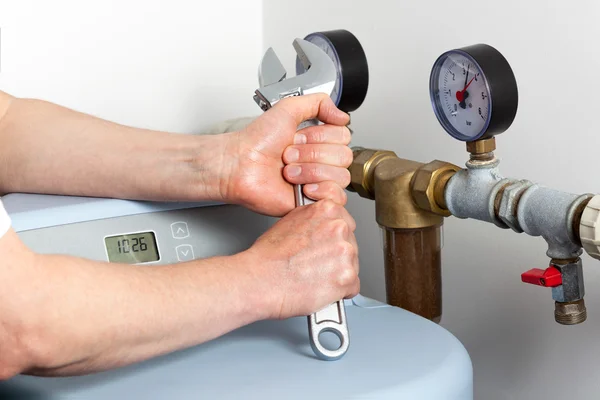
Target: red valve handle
<point x="549" y="277"/>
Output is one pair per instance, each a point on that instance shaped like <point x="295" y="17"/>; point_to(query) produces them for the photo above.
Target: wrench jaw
<point x="320" y="76"/>
<point x="271" y="69"/>
<point x="301" y="53"/>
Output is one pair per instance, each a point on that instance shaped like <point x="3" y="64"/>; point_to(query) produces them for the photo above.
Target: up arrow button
<point x="180" y="230"/>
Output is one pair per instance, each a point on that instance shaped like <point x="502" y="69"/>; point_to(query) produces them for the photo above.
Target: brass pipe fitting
<point x="569" y="306"/>
<point x="482" y="146"/>
<point x="384" y="177"/>
<point x="412" y="234"/>
<point x="482" y="150"/>
<point x="363" y="168"/>
<point x="570" y="313"/>
<point x="394" y="205"/>
<point x="428" y="186"/>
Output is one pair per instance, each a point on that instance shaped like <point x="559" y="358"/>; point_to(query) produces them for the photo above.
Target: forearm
<point x="46" y="148"/>
<point x="82" y="316"/>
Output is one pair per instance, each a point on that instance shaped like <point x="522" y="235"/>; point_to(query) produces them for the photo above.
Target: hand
<point x="269" y="156"/>
<point x="307" y="260"/>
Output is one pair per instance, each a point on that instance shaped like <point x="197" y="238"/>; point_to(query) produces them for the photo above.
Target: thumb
<point x="297" y="109"/>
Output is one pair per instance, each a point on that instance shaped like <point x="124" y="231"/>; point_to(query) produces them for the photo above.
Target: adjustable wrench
<point x="320" y="77"/>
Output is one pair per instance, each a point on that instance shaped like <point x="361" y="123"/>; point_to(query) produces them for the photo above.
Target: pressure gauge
<point x="351" y="64"/>
<point x="473" y="92"/>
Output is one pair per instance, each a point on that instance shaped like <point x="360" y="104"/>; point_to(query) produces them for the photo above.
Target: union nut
<point x="509" y="201"/>
<point x="362" y="170"/>
<point x="428" y="185"/>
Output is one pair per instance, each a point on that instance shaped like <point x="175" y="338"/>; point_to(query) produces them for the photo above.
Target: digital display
<point x="133" y="248"/>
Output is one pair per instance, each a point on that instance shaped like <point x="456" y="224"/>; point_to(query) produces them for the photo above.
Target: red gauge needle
<point x="460" y="95"/>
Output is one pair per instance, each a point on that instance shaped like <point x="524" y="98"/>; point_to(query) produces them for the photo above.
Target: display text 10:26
<point x="134" y="245"/>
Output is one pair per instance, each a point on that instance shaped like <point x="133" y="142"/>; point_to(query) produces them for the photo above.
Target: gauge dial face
<point x="324" y="44"/>
<point x="460" y="96"/>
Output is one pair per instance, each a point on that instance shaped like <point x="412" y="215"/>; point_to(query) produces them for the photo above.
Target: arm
<point x="63" y="315"/>
<point x="47" y="148"/>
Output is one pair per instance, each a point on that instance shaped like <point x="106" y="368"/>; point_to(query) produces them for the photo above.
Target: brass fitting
<point x="363" y="167"/>
<point x="482" y="150"/>
<point x="394" y="205"/>
<point x="407" y="194"/>
<point x="571" y="313"/>
<point x="412" y="235"/>
<point x="429" y="184"/>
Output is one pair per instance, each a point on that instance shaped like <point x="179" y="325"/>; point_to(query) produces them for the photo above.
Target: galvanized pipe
<point x="471" y="192"/>
<point x="480" y="192"/>
<point x="549" y="213"/>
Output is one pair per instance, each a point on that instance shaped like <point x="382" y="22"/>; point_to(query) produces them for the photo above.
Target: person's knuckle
<point x="320" y="135"/>
<point x="331" y="191"/>
<point x="314" y="172"/>
<point x="327" y="206"/>
<point x="313" y="153"/>
<point x="346" y="156"/>
<point x="338" y="227"/>
<point x="345" y="178"/>
<point x="346" y="135"/>
<point x="344" y="249"/>
<point x="346" y="277"/>
<point x="357" y="266"/>
<point x="356" y="289"/>
<point x="348" y="216"/>
<point x="344" y="196"/>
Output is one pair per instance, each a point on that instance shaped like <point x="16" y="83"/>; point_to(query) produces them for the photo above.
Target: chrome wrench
<point x="320" y="77"/>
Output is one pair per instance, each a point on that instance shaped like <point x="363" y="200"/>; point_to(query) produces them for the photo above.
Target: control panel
<point x="162" y="237"/>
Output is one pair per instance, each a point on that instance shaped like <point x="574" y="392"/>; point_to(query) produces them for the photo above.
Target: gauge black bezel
<point x="500" y="82"/>
<point x="353" y="64"/>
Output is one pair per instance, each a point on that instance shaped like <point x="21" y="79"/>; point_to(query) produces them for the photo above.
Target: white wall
<point x="508" y="327"/>
<point x="176" y="65"/>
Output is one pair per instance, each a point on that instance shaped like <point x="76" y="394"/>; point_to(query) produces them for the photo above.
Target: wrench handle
<point x="330" y="319"/>
<point x="333" y="317"/>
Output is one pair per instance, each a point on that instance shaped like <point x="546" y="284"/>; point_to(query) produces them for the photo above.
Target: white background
<point x="176" y="65"/>
<point x="183" y="65"/>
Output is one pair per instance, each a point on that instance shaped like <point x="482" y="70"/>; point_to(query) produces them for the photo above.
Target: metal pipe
<point x="480" y="192"/>
<point x="411" y="199"/>
<point x="471" y="192"/>
<point x="413" y="273"/>
<point x="569" y="306"/>
<point x="549" y="213"/>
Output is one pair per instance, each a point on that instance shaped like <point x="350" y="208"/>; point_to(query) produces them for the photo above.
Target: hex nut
<point x="509" y="202"/>
<point x="423" y="185"/>
<point x="482" y="146"/>
<point x="363" y="167"/>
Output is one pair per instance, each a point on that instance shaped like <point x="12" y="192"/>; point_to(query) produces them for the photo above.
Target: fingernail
<point x="292" y="154"/>
<point x="294" y="170"/>
<point x="312" y="187"/>
<point x="350" y="129"/>
<point x="300" y="138"/>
